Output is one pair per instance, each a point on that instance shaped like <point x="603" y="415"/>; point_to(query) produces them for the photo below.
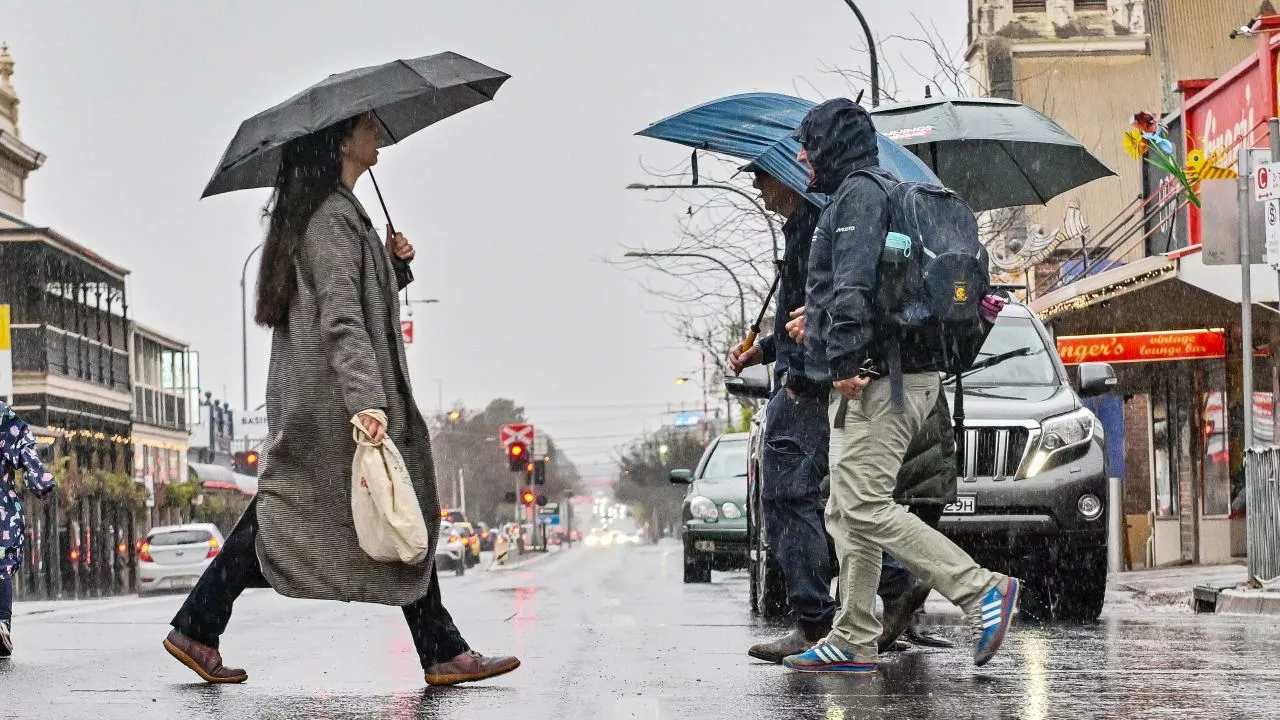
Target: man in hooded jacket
<point x="795" y="459"/>
<point x="869" y="439"/>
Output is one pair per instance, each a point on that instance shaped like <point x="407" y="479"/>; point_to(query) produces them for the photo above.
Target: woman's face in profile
<point x="362" y="147"/>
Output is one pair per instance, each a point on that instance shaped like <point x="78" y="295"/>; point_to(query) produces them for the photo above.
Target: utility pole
<point x="462" y="492"/>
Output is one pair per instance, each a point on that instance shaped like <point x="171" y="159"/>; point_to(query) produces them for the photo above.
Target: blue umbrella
<point x="757" y="127"/>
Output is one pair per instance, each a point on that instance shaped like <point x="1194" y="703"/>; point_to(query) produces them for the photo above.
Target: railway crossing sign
<point x="512" y="434"/>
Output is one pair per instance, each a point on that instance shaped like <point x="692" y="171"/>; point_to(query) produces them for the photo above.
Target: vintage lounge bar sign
<point x="1142" y="347"/>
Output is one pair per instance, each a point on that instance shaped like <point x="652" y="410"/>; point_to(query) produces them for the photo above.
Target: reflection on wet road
<point x="613" y="633"/>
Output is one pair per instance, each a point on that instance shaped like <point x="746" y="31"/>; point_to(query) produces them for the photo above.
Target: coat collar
<point x="386" y="276"/>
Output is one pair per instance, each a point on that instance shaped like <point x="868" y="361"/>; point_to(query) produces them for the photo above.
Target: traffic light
<point x="540" y="472"/>
<point x="517" y="455"/>
<point x="246" y="462"/>
<point x="528" y="474"/>
<point x="527" y="497"/>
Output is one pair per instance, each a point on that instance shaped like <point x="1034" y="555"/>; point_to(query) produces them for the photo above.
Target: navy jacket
<point x="787" y="354"/>
<point x="840" y="314"/>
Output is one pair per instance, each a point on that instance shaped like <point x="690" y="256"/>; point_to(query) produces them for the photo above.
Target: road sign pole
<point x="1246" y="294"/>
<point x="1274" y="126"/>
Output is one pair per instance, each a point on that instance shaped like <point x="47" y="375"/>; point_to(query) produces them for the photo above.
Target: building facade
<point x="161" y="418"/>
<point x="1119" y="272"/>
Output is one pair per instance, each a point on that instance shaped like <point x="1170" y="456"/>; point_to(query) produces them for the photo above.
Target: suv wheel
<point x="697" y="566"/>
<point x="1066" y="589"/>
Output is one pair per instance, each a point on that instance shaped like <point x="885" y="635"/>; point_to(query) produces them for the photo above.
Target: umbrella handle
<point x="751" y="340"/>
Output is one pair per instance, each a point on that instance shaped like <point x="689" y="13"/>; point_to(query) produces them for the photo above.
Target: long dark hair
<point x="310" y="170"/>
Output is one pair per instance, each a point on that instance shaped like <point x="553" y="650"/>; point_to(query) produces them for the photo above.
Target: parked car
<point x="1032" y="492"/>
<point x="471" y="540"/>
<point x="714" y="527"/>
<point x="450" y="552"/>
<point x="173" y="557"/>
<point x="453" y="515"/>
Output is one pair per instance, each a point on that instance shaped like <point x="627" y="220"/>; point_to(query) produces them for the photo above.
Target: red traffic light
<point x="527" y="497"/>
<point x="516" y="454"/>
<point x="251" y="457"/>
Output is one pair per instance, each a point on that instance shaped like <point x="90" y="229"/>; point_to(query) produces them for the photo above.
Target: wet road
<point x="613" y="633"/>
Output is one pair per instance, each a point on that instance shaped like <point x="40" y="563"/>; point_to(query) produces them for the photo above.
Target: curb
<point x="1249" y="602"/>
<point x="537" y="557"/>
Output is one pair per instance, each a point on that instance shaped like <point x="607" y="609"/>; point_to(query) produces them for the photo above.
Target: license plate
<point x="183" y="582"/>
<point x="706" y="545"/>
<point x="964" y="505"/>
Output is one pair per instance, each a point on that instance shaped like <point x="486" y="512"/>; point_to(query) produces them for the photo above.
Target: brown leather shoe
<point x="792" y="643"/>
<point x="469" y="667"/>
<point x="204" y="660"/>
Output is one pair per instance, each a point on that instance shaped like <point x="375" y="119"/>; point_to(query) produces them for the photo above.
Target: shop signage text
<point x="1142" y="347"/>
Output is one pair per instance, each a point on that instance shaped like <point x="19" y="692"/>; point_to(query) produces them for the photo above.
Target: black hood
<point x="839" y="138"/>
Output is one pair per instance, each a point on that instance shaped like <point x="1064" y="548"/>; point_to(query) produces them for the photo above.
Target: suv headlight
<point x="1060" y="433"/>
<point x="731" y="511"/>
<point x="702" y="507"/>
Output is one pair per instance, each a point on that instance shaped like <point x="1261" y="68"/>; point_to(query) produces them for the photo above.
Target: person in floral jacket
<point x="17" y="453"/>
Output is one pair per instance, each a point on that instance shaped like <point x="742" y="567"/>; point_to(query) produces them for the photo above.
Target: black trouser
<point x="205" y="614"/>
<point x="8" y="568"/>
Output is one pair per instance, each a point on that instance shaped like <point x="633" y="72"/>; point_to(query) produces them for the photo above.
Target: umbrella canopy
<point x="405" y="95"/>
<point x="995" y="153"/>
<point x="757" y="127"/>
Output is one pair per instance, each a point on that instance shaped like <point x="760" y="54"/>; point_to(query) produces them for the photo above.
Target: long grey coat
<point x="340" y="353"/>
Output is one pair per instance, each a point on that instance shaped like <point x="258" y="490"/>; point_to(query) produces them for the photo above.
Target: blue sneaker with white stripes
<point x="826" y="657"/>
<point x="992" y="618"/>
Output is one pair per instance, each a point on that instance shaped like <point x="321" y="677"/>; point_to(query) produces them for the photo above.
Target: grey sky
<point x="511" y="205"/>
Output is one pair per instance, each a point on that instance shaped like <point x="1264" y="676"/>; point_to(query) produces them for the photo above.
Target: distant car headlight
<point x="730" y="511"/>
<point x="592" y="540"/>
<point x="701" y="507"/>
<point x="1060" y="433"/>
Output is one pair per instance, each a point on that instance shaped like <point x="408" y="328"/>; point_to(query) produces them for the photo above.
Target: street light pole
<point x="871" y="50"/>
<point x="244" y="328"/>
<point x="768" y="219"/>
<point x="742" y="298"/>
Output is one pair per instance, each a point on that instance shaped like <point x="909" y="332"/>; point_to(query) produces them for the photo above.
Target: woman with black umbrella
<point x="328" y="290"/>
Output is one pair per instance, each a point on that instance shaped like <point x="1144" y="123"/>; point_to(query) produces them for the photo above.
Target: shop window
<point x="1166" y="490"/>
<point x="1216" y="458"/>
<point x="1171" y="436"/>
<point x="1091" y="5"/>
<point x="1028" y="6"/>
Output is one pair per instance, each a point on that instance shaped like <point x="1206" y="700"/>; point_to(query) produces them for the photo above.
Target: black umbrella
<point x="995" y="153"/>
<point x="404" y="95"/>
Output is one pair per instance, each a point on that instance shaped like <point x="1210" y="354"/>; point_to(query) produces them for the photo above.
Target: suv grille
<point x="994" y="452"/>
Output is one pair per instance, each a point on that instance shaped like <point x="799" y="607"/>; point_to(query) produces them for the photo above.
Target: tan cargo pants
<point x="864" y="521"/>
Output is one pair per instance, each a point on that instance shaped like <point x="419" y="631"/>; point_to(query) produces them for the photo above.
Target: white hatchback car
<point x="174" y="556"/>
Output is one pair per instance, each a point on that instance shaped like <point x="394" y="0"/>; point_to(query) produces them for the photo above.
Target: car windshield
<point x="1014" y="354"/>
<point x="728" y="459"/>
<point x="180" y="537"/>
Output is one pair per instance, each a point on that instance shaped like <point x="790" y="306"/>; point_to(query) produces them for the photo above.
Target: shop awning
<point x="217" y="477"/>
<point x="1161" y="292"/>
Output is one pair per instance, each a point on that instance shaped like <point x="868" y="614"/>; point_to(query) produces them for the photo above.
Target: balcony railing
<point x="159" y="408"/>
<point x="53" y="350"/>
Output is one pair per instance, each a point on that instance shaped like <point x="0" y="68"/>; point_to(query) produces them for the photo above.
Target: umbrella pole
<point x="755" y="327"/>
<point x="382" y="202"/>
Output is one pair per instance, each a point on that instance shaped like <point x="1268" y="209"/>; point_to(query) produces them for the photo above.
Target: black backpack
<point x="929" y="294"/>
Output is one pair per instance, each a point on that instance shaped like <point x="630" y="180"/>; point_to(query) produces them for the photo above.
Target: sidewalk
<point x="1203" y="588"/>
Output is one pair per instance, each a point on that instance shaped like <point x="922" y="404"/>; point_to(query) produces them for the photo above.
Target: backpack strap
<point x="893" y="345"/>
